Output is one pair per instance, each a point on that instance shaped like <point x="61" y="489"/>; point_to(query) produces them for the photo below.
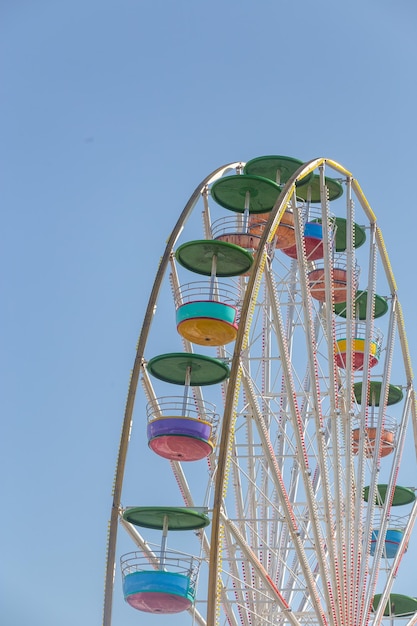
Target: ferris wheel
<point x="282" y="407"/>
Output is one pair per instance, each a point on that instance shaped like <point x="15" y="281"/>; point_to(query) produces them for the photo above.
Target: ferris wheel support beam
<point x="334" y="549"/>
<point x="360" y="563"/>
<point x="311" y="348"/>
<point x="239" y="594"/>
<point x="385" y="513"/>
<point x="284" y="536"/>
<point x="282" y="494"/>
<point x="127" y="420"/>
<point x="345" y="402"/>
<point x="375" y="470"/>
<point x="266" y="408"/>
<point x="295" y="473"/>
<point x="337" y="558"/>
<point x="262" y="573"/>
<point x="382" y="409"/>
<point x="254" y="530"/>
<point x="272" y="463"/>
<point x="239" y="504"/>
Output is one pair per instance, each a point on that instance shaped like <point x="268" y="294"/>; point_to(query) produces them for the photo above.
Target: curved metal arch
<point x="131" y="394"/>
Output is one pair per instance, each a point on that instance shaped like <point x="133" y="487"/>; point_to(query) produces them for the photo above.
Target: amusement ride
<point x="281" y="406"/>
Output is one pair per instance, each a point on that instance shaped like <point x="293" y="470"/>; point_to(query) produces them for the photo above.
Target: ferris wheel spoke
<point x="260" y="570"/>
<point x="346" y="413"/>
<point x="373" y="574"/>
<point x="277" y="479"/>
<point x="239" y="591"/>
<point x="299" y="437"/>
<point x="311" y="347"/>
<point x="359" y="567"/>
<point x="337" y="551"/>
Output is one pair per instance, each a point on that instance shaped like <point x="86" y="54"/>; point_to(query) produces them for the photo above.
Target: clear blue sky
<point x="111" y="114"/>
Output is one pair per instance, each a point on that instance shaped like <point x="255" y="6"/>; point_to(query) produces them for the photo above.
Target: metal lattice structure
<point x="310" y="513"/>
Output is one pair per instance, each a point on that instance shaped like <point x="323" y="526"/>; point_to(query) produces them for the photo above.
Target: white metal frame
<point x="290" y="531"/>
